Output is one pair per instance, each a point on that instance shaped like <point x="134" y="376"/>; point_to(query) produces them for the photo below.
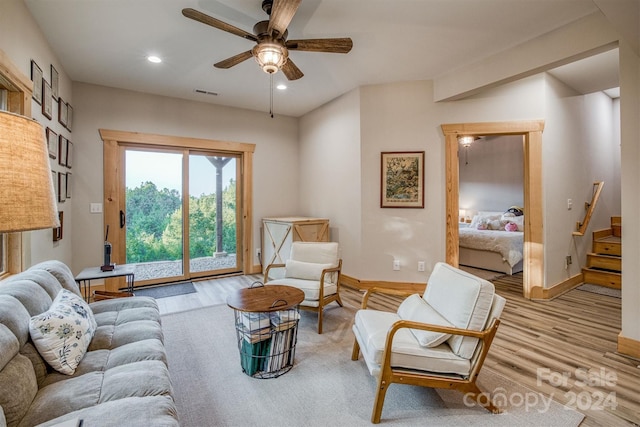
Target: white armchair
<point x="439" y="340"/>
<point x="314" y="268"/>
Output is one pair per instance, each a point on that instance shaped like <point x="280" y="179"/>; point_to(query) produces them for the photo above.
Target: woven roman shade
<point x="27" y="197"/>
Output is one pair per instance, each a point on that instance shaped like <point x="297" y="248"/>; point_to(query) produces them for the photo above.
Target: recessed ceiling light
<point x="281" y="86"/>
<point x="154" y="59"/>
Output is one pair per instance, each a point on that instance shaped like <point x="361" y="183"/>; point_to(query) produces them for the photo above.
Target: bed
<point x="492" y="247"/>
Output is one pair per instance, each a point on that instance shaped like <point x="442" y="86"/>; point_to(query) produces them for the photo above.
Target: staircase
<point x="604" y="263"/>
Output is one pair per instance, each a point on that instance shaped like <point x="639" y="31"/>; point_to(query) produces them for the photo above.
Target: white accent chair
<point x="314" y="268"/>
<point x="439" y="340"/>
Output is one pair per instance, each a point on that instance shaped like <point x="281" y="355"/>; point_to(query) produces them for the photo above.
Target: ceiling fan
<point x="272" y="48"/>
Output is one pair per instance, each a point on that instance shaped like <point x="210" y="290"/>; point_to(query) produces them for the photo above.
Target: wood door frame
<point x="114" y="180"/>
<point x="533" y="263"/>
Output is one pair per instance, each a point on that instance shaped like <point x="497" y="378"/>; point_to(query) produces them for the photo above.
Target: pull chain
<point x="271" y="95"/>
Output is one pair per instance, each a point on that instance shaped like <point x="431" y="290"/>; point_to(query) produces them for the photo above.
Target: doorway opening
<point x="533" y="250"/>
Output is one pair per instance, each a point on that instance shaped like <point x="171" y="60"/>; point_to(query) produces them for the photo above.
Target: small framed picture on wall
<point x="36" y="78"/>
<point x="54" y="83"/>
<point x="62" y="151"/>
<point x="68" y="185"/>
<point x="47" y="100"/>
<point x="52" y="143"/>
<point x="62" y="112"/>
<point x="62" y="187"/>
<point x="69" y="161"/>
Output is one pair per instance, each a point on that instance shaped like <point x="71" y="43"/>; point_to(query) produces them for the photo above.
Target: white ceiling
<point x="105" y="42"/>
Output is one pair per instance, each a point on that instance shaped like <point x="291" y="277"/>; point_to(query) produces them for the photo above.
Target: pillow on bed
<point x="484" y="216"/>
<point x="511" y="226"/>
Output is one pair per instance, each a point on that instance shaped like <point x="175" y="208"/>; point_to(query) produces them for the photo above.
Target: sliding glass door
<point x="180" y="213"/>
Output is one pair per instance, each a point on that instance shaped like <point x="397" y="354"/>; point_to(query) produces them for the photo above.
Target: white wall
<point x="330" y="171"/>
<point x="491" y="174"/>
<point x="275" y="169"/>
<point x="578" y="149"/>
<point x="22" y="41"/>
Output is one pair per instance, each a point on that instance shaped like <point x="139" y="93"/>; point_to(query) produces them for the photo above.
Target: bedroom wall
<point x="491" y="174"/>
<point x="275" y="185"/>
<point x="22" y="41"/>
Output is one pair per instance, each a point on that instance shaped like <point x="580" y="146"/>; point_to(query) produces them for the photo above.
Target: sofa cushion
<point x="18" y="387"/>
<point x="463" y="299"/>
<point x="61" y="272"/>
<point x="416" y="309"/>
<point x="63" y="333"/>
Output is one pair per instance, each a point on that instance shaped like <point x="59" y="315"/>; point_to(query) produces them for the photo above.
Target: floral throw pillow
<point x="63" y="333"/>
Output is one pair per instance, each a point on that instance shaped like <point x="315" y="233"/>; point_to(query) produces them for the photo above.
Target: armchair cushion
<point x="305" y="270"/>
<point x="371" y="328"/>
<point x="416" y="309"/>
<point x="311" y="289"/>
<point x="463" y="299"/>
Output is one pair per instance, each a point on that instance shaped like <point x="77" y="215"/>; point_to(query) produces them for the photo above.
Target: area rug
<point x="324" y="387"/>
<point x="601" y="290"/>
<point x="483" y="274"/>
<point x="166" y="290"/>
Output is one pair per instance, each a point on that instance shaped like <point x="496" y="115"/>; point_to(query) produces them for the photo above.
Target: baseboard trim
<point x="540" y="293"/>
<point x="628" y="346"/>
<point x="364" y="285"/>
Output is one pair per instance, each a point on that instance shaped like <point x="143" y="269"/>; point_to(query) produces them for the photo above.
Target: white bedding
<point x="507" y="243"/>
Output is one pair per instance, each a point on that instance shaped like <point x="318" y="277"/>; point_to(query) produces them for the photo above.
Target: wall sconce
<point x="466" y="140"/>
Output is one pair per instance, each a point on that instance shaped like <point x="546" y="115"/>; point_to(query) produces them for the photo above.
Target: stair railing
<point x="589" y="207"/>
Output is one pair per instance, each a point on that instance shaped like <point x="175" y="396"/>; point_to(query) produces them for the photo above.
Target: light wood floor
<point x="545" y="346"/>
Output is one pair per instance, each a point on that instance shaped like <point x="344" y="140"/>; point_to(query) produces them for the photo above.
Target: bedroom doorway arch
<point x="533" y="264"/>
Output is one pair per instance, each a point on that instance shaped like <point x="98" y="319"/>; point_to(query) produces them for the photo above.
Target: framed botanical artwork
<point x="68" y="185"/>
<point x="62" y="112"/>
<point x="402" y="179"/>
<point x="69" y="117"/>
<point x="52" y="143"/>
<point x="36" y="78"/>
<point x="69" y="161"/>
<point x="54" y="83"/>
<point x="57" y="232"/>
<point x="62" y="187"/>
<point x="62" y="151"/>
<point x="47" y="100"/>
<point x="54" y="179"/>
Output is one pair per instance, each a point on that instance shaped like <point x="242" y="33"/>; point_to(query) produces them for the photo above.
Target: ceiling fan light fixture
<point x="270" y="56"/>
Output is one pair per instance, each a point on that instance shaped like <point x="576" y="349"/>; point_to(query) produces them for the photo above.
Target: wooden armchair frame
<point x="389" y="375"/>
<point x="322" y="299"/>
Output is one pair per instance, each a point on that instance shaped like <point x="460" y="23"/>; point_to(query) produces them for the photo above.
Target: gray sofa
<point x="122" y="379"/>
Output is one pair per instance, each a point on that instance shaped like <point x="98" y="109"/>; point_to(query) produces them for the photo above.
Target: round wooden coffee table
<point x="266" y="319"/>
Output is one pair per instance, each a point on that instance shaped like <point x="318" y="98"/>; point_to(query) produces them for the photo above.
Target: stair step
<point x="609" y="279"/>
<point x="610" y="245"/>
<point x="605" y="262"/>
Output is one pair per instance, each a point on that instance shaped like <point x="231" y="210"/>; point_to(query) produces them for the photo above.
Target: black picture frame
<point x="69" y="162"/>
<point x="62" y="187"/>
<point x="69" y="117"/>
<point x="68" y="186"/>
<point x="62" y="112"/>
<point x="36" y="78"/>
<point x="62" y="151"/>
<point x="47" y="100"/>
<point x="54" y="83"/>
<point x="52" y="143"/>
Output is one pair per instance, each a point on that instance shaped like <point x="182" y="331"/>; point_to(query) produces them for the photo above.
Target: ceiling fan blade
<point x="282" y="13"/>
<point x="291" y="70"/>
<point x="339" y="45"/>
<point x="216" y="23"/>
<point x="234" y="60"/>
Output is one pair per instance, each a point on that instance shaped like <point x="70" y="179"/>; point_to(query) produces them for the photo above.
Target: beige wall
<point x="22" y="41"/>
<point x="275" y="159"/>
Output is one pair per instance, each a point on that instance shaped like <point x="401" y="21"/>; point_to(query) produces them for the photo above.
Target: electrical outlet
<point x="396" y="265"/>
<point x="95" y="208"/>
<point x="420" y="265"/>
<point x="567" y="262"/>
<point x="258" y="253"/>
